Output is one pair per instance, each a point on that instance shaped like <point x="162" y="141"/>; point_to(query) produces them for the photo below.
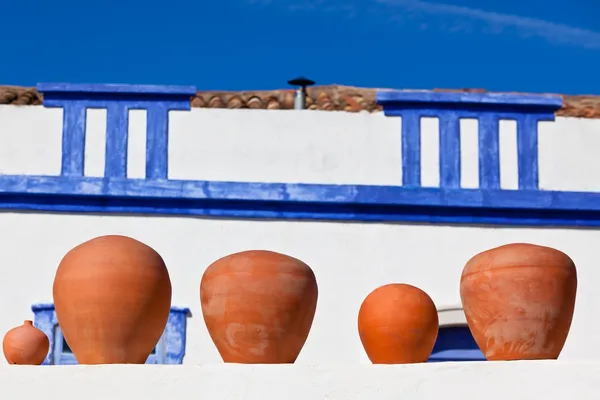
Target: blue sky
<point x="510" y="45"/>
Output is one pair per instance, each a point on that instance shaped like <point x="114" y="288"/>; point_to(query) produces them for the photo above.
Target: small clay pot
<point x="398" y="324"/>
<point x="112" y="297"/>
<point x="519" y="301"/>
<point x="25" y="345"/>
<point x="258" y="306"/>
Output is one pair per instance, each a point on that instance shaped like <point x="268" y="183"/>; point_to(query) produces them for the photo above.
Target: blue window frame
<point x="170" y="348"/>
<point x="455" y="343"/>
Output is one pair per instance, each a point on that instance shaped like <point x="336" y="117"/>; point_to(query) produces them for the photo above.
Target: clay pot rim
<point x="208" y="274"/>
<point x="474" y="264"/>
<point x="258" y="251"/>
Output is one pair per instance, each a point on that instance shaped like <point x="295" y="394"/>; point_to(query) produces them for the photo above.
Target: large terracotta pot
<point x="258" y="306"/>
<point x="112" y="297"/>
<point x="398" y="324"/>
<point x="519" y="301"/>
<point x="25" y="345"/>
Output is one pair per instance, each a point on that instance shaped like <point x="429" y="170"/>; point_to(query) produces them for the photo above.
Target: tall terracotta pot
<point x="519" y="301"/>
<point x="25" y="345"/>
<point x="398" y="324"/>
<point x="258" y="306"/>
<point x="112" y="297"/>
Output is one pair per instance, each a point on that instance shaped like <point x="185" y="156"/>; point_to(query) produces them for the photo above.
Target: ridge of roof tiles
<point x="328" y="98"/>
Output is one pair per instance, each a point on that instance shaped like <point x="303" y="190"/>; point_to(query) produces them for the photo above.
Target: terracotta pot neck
<point x="28" y="322"/>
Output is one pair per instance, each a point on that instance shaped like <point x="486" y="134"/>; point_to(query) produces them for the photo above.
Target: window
<point x="455" y="341"/>
<point x="170" y="348"/>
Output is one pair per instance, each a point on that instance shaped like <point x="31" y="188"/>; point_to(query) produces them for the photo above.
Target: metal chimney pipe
<point x="300" y="97"/>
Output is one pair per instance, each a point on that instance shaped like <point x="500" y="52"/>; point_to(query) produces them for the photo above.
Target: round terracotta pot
<point x="398" y="324"/>
<point x="25" y="345"/>
<point x="519" y="301"/>
<point x="258" y="306"/>
<point x="112" y="297"/>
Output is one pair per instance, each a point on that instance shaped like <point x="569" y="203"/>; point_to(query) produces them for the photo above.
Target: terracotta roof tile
<point x="329" y="98"/>
<point x="19" y="96"/>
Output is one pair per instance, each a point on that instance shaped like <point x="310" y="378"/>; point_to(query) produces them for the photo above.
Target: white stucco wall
<point x="466" y="381"/>
<point x="291" y="146"/>
<point x="349" y="259"/>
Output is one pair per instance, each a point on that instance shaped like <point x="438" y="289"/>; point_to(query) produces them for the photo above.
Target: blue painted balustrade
<point x="156" y="194"/>
<point x="488" y="110"/>
<point x="117" y="100"/>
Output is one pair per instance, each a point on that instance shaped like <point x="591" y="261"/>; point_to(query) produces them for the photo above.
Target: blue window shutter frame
<point x="45" y="320"/>
<point x="59" y="357"/>
<point x="175" y="336"/>
<point x="170" y="349"/>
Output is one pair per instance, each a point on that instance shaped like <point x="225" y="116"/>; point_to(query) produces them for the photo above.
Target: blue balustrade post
<point x="527" y="150"/>
<point x="117" y="136"/>
<point x="488" y="109"/>
<point x="411" y="149"/>
<point x="449" y="124"/>
<point x="73" y="139"/>
<point x="75" y="99"/>
<point x="411" y="144"/>
<point x="489" y="151"/>
<point x="157" y="142"/>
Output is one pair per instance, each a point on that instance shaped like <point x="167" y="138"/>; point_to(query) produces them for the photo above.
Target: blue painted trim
<point x="157" y="142"/>
<point x="117" y="126"/>
<point x="118" y="100"/>
<point x="488" y="109"/>
<point x="45" y="320"/>
<point x="398" y="110"/>
<point x="411" y="149"/>
<point x="117" y="89"/>
<point x="489" y="152"/>
<point x="299" y="201"/>
<point x="170" y="348"/>
<point x="455" y="343"/>
<point x="175" y="336"/>
<point x="61" y="357"/>
<point x="457" y="355"/>
<point x="527" y="151"/>
<point x="449" y="139"/>
<point x="71" y="192"/>
<point x="33" y="189"/>
<point x="181" y="310"/>
<point x="73" y="140"/>
<point x="451" y="100"/>
<point x="40" y="307"/>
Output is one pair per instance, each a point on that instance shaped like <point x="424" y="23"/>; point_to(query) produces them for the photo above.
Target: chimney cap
<point x="301" y="81"/>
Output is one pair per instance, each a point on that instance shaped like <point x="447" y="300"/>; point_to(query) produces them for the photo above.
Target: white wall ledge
<point x="531" y="380"/>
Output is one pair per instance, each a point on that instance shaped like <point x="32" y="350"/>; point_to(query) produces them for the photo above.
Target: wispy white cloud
<point x="496" y="23"/>
<point x="455" y="19"/>
<point x="345" y="8"/>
